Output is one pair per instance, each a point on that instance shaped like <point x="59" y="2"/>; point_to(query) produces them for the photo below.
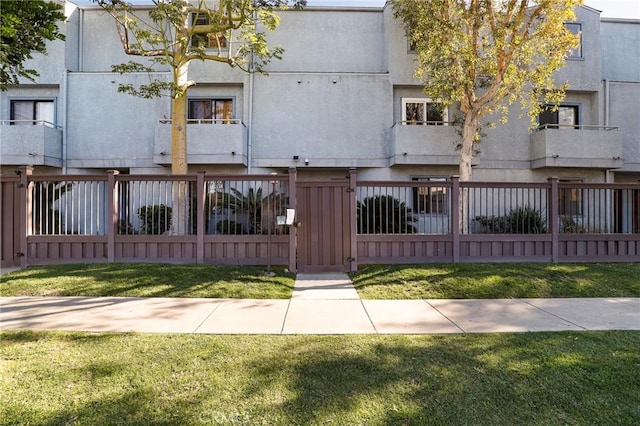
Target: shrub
<point x="523" y="220"/>
<point x="155" y="219"/>
<point x="568" y="225"/>
<point x="383" y="214"/>
<point x="229" y="227"/>
<point x="526" y="220"/>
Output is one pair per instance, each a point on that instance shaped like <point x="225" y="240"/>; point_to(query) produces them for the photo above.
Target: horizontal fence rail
<point x="232" y="219"/>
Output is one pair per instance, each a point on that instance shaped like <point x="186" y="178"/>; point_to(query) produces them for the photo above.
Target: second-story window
<point x="217" y="110"/>
<point x="423" y="111"/>
<point x="563" y="117"/>
<point x="208" y="41"/>
<point x="33" y="112"/>
<point x="575" y="28"/>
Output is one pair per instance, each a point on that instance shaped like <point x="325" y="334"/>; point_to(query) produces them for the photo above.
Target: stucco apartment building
<point x="343" y="96"/>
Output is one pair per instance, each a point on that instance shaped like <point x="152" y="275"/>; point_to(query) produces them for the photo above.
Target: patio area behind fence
<point x="238" y="219"/>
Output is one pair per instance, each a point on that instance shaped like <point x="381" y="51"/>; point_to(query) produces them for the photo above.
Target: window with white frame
<point x="212" y="110"/>
<point x="33" y="112"/>
<point x="431" y="200"/>
<point x="575" y="28"/>
<point x="423" y="111"/>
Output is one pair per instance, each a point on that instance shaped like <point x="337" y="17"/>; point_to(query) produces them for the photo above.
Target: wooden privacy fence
<point x="145" y="218"/>
<point x="453" y="221"/>
<point x="233" y="219"/>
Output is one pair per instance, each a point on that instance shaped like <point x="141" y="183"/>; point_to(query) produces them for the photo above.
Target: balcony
<point x="597" y="147"/>
<point x="426" y="143"/>
<point x="30" y="142"/>
<point x="208" y="142"/>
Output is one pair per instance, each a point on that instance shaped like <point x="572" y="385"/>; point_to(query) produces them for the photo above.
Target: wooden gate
<point x="324" y="211"/>
<point x="10" y="231"/>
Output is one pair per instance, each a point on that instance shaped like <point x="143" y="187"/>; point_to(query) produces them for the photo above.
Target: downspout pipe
<point x="65" y="116"/>
<point x="250" y="112"/>
<point x="607" y="120"/>
<point x="250" y="121"/>
<point x="607" y="100"/>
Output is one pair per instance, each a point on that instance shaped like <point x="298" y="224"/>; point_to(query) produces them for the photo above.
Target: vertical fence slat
<point x="455" y="217"/>
<point x="554" y="219"/>
<point x="293" y="175"/>
<point x="112" y="215"/>
<point x="199" y="219"/>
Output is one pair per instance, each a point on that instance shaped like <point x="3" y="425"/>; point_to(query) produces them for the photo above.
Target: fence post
<point x="24" y="219"/>
<point x="455" y="217"/>
<point x="112" y="214"/>
<point x="200" y="219"/>
<point x="353" y="221"/>
<point x="293" y="175"/>
<point x="554" y="227"/>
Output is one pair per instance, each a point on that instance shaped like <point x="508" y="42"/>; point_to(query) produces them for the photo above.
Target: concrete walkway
<point x="321" y="304"/>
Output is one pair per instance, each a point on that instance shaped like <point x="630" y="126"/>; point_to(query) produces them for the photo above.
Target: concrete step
<point x="324" y="286"/>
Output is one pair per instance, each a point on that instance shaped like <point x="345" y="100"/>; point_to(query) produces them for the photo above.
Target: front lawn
<point x="496" y="281"/>
<point x="58" y="378"/>
<point x="148" y="280"/>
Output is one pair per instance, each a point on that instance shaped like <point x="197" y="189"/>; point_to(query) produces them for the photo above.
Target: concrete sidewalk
<point x="321" y="304"/>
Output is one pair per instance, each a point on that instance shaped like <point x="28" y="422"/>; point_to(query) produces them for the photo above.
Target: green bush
<point x="229" y="227"/>
<point x="383" y="214"/>
<point x="568" y="225"/>
<point x="155" y="219"/>
<point x="523" y="220"/>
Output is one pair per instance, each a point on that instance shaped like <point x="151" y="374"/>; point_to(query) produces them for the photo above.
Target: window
<point x="412" y="45"/>
<point x="33" y="112"/>
<point x="570" y="199"/>
<point x="430" y="199"/>
<point x="208" y="41"/>
<point x="575" y="28"/>
<point x="423" y="111"/>
<point x="562" y="117"/>
<point x="211" y="111"/>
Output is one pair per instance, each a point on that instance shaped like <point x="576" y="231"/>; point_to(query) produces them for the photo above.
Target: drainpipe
<point x="250" y="112"/>
<point x="607" y="113"/>
<point x="65" y="115"/>
<point x="81" y="40"/>
<point x="250" y="121"/>
<point x="608" y="174"/>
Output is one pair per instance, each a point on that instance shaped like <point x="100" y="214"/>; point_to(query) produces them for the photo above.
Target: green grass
<point x="148" y="280"/>
<point x="492" y="281"/>
<point x="573" y="378"/>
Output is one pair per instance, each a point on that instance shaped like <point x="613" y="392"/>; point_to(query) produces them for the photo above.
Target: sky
<point x="629" y="9"/>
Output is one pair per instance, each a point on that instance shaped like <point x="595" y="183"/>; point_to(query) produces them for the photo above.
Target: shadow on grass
<point x="517" y="379"/>
<point x="530" y="378"/>
<point x="148" y="280"/>
<point x="470" y="281"/>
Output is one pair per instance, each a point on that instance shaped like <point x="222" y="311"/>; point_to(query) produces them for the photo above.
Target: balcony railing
<point x="31" y="142"/>
<point x="556" y="145"/>
<point x="424" y="142"/>
<point x="209" y="141"/>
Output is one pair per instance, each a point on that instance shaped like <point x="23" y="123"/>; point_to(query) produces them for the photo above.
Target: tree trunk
<point x="179" y="123"/>
<point x="179" y="165"/>
<point x="466" y="152"/>
<point x="466" y="157"/>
